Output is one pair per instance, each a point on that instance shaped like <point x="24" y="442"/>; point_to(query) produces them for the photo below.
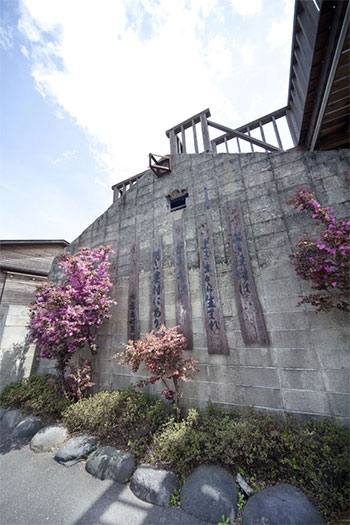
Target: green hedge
<point x="124" y="418"/>
<point x="34" y="395"/>
<point x="313" y="456"/>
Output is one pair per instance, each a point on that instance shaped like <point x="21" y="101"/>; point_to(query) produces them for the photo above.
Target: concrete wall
<point x="18" y="259"/>
<point x="17" y="355"/>
<point x="305" y="368"/>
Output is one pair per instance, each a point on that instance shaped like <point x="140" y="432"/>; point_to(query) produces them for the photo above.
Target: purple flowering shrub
<point x="64" y="317"/>
<point x="325" y="261"/>
<point x="161" y="351"/>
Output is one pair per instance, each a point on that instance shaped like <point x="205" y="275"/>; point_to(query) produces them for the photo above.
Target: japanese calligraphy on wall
<point x="157" y="297"/>
<point x="249" y="310"/>
<point x="214" y="321"/>
<point x="133" y="301"/>
<point x="182" y="293"/>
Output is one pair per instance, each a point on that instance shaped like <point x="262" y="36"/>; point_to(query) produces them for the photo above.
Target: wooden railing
<point x="161" y="165"/>
<point x="178" y="143"/>
<point x="121" y="188"/>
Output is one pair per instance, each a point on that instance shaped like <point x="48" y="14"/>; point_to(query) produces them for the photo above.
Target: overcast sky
<point x="89" y="87"/>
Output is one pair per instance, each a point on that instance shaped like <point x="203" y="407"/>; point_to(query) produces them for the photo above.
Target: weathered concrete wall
<point x="304" y="368"/>
<point x="17" y="355"/>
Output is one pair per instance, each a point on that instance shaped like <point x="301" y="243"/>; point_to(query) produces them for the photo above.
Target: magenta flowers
<point x="325" y="261"/>
<point x="64" y="317"/>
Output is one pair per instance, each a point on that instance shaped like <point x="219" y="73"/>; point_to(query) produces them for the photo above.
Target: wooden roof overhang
<point x="318" y="97"/>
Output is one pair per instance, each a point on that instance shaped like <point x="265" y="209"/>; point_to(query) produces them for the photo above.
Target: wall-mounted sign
<point x="133" y="300"/>
<point x="182" y="292"/>
<point x="214" y="321"/>
<point x="157" y="297"/>
<point x="249" y="310"/>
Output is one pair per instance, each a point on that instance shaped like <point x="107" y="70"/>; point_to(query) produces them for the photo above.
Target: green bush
<point x="34" y="395"/>
<point x="313" y="456"/>
<point x="123" y="418"/>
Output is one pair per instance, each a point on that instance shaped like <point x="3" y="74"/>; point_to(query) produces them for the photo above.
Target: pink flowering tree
<point x="324" y="261"/>
<point x="64" y="317"/>
<point x="161" y="351"/>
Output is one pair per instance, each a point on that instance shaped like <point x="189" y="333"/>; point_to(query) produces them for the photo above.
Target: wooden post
<point x="226" y="145"/>
<point x="205" y="133"/>
<point x="251" y="145"/>
<point x="173" y="145"/>
<point x="183" y="138"/>
<point x="279" y="142"/>
<point x="182" y="291"/>
<point x="262" y="132"/>
<point x="195" y="137"/>
<point x="249" y="310"/>
<point x="214" y="320"/>
<point x="238" y="145"/>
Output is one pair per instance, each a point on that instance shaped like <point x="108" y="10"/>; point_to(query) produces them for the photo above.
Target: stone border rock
<point x="75" y="449"/>
<point x="154" y="485"/>
<point x="111" y="463"/>
<point x="49" y="438"/>
<point x="282" y="503"/>
<point x="26" y="428"/>
<point x="210" y="492"/>
<point x="10" y="420"/>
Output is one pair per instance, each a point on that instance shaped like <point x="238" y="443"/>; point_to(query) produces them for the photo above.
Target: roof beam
<point x="331" y="75"/>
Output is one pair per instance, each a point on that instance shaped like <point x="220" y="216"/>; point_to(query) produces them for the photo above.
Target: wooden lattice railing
<point x="177" y="134"/>
<point x="178" y="144"/>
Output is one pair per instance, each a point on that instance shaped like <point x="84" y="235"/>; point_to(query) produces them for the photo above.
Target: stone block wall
<point x="304" y="369"/>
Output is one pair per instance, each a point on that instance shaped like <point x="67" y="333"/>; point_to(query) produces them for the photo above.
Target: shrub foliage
<point x="123" y="418"/>
<point x="312" y="456"/>
<point x="161" y="351"/>
<point x="34" y="395"/>
<point x="265" y="449"/>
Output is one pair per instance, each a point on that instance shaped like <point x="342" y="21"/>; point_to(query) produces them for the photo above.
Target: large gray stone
<point x="208" y="493"/>
<point x="10" y="419"/>
<point x="154" y="485"/>
<point x="2" y="412"/>
<point x="48" y="438"/>
<point x="75" y="449"/>
<point x="282" y="503"/>
<point x="27" y="427"/>
<point x="110" y="463"/>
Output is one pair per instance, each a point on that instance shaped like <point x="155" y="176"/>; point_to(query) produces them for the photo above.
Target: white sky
<point x="124" y="71"/>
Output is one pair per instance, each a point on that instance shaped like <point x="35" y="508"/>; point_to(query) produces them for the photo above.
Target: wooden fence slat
<point x="195" y="140"/>
<point x="249" y="310"/>
<point x="183" y="138"/>
<point x="157" y="295"/>
<point x="251" y="145"/>
<point x="276" y="132"/>
<point x="182" y="290"/>
<point x="133" y="300"/>
<point x="214" y="321"/>
<point x="262" y="132"/>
